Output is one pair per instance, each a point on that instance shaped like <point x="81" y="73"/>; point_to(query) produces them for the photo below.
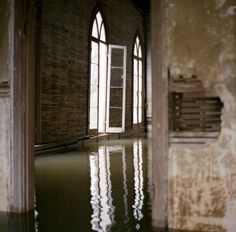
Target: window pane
<point x="103" y="34"/>
<point x="117" y="57"/>
<point x="99" y="19"/>
<point x="135" y="67"/>
<point x="135" y="50"/>
<point x="93" y="118"/>
<point x="117" y="77"/>
<point x="93" y="96"/>
<point x="140" y="84"/>
<point x="102" y="86"/>
<point x="135" y="115"/>
<point x="140" y="99"/>
<point x="140" y="52"/>
<point x="137" y="42"/>
<point x="95" y="29"/>
<point x="116" y="97"/>
<point x="140" y="68"/>
<point x="103" y="61"/>
<point x="115" y="117"/>
<point x="135" y="84"/>
<point x="135" y="103"/>
<point x="139" y="115"/>
<point x="94" y="74"/>
<point x="94" y="53"/>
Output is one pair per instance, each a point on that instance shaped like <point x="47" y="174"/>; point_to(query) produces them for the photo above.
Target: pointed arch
<point x="98" y="70"/>
<point x="137" y="80"/>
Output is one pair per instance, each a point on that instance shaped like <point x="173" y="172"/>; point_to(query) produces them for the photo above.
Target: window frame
<point x="98" y="41"/>
<point x="138" y="59"/>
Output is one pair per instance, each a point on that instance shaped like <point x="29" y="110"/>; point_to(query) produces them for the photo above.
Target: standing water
<point x="104" y="188"/>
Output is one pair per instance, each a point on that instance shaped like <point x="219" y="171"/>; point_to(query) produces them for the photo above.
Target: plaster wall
<point x="202" y="180"/>
<point x="4" y="150"/>
<point x="4" y="16"/>
<point x="4" y="108"/>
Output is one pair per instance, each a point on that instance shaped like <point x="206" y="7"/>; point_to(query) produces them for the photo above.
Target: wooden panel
<point x="193" y="110"/>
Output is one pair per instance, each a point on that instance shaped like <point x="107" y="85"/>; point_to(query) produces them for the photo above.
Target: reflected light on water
<point x="138" y="180"/>
<point x="101" y="199"/>
<point x="102" y="188"/>
<point x="104" y="212"/>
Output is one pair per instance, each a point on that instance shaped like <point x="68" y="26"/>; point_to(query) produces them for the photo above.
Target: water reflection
<point x="103" y="189"/>
<point x="104" y="211"/>
<point x="101" y="199"/>
<point x="138" y="181"/>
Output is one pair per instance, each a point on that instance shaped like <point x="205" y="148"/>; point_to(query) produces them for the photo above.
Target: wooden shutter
<point x="194" y="112"/>
<point x="116" y="89"/>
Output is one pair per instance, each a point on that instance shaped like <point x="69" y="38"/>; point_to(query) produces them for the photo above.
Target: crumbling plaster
<point x="4" y="16"/>
<point x="202" y="180"/>
<point x="4" y="153"/>
<point x="4" y="104"/>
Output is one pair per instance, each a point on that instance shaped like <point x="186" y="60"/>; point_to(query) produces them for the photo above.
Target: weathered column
<point x="159" y="115"/>
<point x="4" y="104"/>
<point x="17" y="105"/>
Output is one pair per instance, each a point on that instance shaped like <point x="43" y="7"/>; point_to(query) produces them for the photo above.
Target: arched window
<point x="98" y="69"/>
<point x="107" y="81"/>
<point x="137" y="82"/>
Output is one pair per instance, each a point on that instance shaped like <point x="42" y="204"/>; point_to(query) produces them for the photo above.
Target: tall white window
<point x="137" y="82"/>
<point x="107" y="81"/>
<point x="98" y="72"/>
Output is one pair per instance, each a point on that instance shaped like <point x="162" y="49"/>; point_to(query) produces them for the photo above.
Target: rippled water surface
<point x="103" y="188"/>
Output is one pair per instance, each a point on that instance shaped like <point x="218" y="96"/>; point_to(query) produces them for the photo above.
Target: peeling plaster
<point x="220" y="3"/>
<point x="4" y="150"/>
<point x="202" y="181"/>
<point x="230" y="11"/>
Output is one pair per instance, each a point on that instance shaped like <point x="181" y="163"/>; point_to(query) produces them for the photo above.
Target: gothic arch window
<point x="98" y="72"/>
<point x="107" y="81"/>
<point x="137" y="82"/>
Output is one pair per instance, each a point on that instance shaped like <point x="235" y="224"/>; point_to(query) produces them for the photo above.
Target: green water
<point x="103" y="188"/>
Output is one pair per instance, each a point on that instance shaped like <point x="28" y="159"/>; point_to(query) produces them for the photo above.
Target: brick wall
<point x="64" y="69"/>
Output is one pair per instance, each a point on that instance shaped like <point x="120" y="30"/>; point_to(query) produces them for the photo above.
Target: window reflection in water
<point x="103" y="215"/>
<point x="101" y="199"/>
<point x="138" y="181"/>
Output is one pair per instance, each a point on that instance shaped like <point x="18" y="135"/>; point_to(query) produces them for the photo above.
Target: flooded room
<point x="117" y="116"/>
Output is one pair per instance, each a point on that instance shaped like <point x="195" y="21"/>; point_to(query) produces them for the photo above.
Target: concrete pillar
<point x="17" y="47"/>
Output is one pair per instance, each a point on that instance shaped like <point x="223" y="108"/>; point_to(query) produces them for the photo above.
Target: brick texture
<point x="64" y="73"/>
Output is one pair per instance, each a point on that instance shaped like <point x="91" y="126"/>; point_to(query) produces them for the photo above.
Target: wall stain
<point x="207" y="227"/>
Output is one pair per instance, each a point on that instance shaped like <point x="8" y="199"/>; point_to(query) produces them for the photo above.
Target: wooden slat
<point x="195" y="114"/>
<point x="210" y="110"/>
<point x="198" y="116"/>
<point x="193" y="140"/>
<point x="194" y="134"/>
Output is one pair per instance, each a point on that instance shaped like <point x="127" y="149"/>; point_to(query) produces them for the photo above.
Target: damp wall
<point x="4" y="151"/>
<point x="201" y="40"/>
<point x="4" y="104"/>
